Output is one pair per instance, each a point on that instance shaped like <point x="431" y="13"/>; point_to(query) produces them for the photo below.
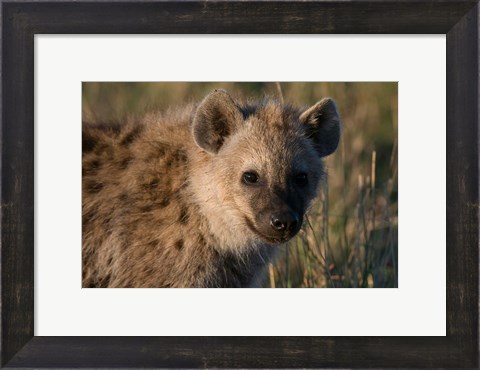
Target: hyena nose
<point x="284" y="222"/>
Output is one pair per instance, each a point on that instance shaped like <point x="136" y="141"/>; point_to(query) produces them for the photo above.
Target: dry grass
<point x="349" y="238"/>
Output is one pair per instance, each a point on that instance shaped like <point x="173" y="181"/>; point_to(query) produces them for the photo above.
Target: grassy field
<point x="349" y="239"/>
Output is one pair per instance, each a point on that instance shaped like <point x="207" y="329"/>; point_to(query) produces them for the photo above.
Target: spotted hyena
<point x="201" y="196"/>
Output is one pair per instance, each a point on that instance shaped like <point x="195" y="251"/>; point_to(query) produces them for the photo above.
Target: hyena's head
<point x="265" y="161"/>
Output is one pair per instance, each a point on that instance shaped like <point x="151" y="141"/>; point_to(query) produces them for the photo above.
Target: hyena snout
<point x="279" y="225"/>
<point x="285" y="222"/>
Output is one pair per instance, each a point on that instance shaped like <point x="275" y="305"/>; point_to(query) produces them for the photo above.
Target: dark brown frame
<point x="21" y="20"/>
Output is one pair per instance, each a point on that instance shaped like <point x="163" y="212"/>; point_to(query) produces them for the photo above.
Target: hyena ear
<point x="216" y="118"/>
<point x="323" y="126"/>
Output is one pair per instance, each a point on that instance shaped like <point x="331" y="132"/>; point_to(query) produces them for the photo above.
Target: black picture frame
<point x="21" y="20"/>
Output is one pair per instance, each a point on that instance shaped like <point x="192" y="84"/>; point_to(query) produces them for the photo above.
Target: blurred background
<point x="350" y="237"/>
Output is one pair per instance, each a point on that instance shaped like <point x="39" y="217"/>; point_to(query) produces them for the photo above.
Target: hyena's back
<point x="140" y="226"/>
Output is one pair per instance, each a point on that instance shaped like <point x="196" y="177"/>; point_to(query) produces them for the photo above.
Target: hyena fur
<point x="200" y="196"/>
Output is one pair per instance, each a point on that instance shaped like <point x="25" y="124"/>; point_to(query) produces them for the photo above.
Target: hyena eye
<point x="250" y="178"/>
<point x="301" y="179"/>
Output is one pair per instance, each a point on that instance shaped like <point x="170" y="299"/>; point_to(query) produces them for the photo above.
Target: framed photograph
<point x="171" y="225"/>
<point x="344" y="147"/>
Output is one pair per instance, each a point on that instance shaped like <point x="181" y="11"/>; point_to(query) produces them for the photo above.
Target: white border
<point x="416" y="308"/>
